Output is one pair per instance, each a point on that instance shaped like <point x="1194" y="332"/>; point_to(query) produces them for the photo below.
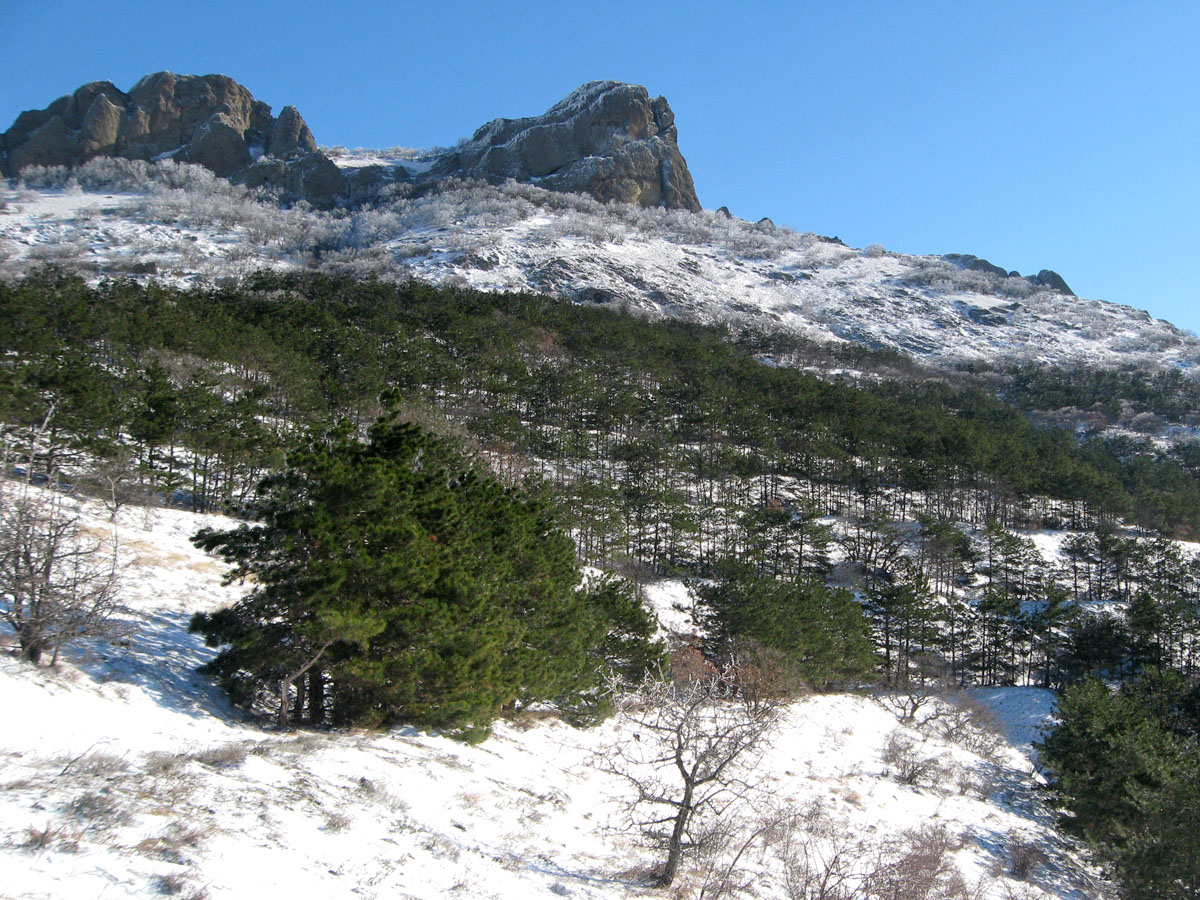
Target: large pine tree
<point x="397" y="581"/>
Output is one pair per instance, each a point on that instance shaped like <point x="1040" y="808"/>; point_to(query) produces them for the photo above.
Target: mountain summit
<point x="606" y="138"/>
<point x="206" y="119"/>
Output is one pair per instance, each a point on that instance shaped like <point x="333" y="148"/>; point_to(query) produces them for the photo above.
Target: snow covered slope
<point x="182" y="224"/>
<point x="124" y="774"/>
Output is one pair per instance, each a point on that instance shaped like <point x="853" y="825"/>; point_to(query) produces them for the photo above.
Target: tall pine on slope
<point x="800" y="633"/>
<point x="396" y="581"/>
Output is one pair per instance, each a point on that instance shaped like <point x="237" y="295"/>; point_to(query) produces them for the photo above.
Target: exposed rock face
<point x="210" y="120"/>
<point x="290" y="137"/>
<point x="313" y="178"/>
<point x="975" y="264"/>
<point x="606" y="139"/>
<point x="1052" y="280"/>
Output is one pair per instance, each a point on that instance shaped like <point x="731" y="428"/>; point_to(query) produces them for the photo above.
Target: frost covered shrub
<point x="111" y="173"/>
<point x="908" y="760"/>
<point x="1018" y="287"/>
<point x="946" y="277"/>
<point x="597" y="229"/>
<point x="45" y="177"/>
<point x="371" y="262"/>
<point x="115" y="174"/>
<point x="1025" y="857"/>
<point x="222" y="756"/>
<point x="476" y="204"/>
<point x="97" y="810"/>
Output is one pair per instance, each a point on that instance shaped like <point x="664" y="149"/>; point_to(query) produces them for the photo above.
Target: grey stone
<point x="974" y="264"/>
<point x="207" y="119"/>
<point x="101" y="126"/>
<point x="52" y="144"/>
<point x="313" y="178"/>
<point x="219" y="146"/>
<point x="365" y="183"/>
<point x="290" y="137"/>
<point x="1052" y="280"/>
<point x="606" y="138"/>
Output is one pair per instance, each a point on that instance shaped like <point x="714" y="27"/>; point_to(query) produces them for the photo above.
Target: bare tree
<point x="112" y="479"/>
<point x="687" y="759"/>
<point x="57" y="583"/>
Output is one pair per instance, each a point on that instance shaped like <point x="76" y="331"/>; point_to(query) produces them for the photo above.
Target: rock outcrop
<point x="210" y="120"/>
<point x="1045" y="278"/>
<point x="1052" y="280"/>
<point x="606" y="138"/>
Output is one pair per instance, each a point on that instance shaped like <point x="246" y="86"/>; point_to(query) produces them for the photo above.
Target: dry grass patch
<point x="222" y="756"/>
<point x="172" y="843"/>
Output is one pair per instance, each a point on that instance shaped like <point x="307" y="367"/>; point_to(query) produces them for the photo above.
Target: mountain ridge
<point x="607" y="139"/>
<point x="607" y="213"/>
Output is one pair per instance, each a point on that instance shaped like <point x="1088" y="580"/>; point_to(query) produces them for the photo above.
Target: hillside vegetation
<point x="907" y="532"/>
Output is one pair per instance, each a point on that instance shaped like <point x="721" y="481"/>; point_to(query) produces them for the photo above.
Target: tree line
<point x="204" y="386"/>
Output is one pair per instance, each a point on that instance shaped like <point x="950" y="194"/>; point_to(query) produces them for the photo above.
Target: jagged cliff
<point x="606" y="139"/>
<point x="207" y="119"/>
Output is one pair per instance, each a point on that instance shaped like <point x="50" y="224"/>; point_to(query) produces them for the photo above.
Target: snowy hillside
<point x="182" y="224"/>
<point x="125" y="774"/>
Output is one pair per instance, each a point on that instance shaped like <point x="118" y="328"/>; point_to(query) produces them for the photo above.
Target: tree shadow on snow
<point x="160" y="658"/>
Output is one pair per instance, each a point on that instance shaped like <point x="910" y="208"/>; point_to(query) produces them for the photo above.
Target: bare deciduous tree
<point x="57" y="583"/>
<point x="687" y="760"/>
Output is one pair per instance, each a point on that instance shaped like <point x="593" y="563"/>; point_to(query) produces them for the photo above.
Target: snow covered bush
<point x="909" y="761"/>
<point x="58" y="584"/>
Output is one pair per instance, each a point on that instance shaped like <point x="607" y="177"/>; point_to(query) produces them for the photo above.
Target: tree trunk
<point x="31" y="650"/>
<point x="675" y="844"/>
<point x="285" y="684"/>
<point x="301" y="698"/>
<point x="282" y="721"/>
<point x="316" y="697"/>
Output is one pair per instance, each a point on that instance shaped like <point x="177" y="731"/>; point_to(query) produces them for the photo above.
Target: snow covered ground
<point x="125" y="774"/>
<point x="700" y="266"/>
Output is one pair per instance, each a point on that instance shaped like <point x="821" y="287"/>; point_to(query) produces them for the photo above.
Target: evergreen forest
<point x="847" y="519"/>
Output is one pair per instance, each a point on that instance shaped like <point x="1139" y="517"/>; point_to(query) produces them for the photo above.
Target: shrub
<point x="1025" y="857"/>
<point x="222" y="756"/>
<point x="908" y="760"/>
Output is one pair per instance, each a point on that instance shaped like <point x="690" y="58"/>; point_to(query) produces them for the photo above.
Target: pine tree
<point x="404" y="584"/>
<point x="812" y="633"/>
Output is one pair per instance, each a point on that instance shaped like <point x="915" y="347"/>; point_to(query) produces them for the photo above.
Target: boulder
<point x="219" y="146"/>
<point x="101" y="126"/>
<point x="52" y="144"/>
<point x="1052" y="280"/>
<point x="975" y="264"/>
<point x="366" y="183"/>
<point x="313" y="178"/>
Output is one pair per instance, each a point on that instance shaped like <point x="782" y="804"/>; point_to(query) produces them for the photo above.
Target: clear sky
<point x="1035" y="133"/>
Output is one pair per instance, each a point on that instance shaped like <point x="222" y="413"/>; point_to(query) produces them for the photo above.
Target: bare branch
<point x="688" y="749"/>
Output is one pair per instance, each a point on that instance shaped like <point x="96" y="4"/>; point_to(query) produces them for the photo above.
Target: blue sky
<point x="1059" y="135"/>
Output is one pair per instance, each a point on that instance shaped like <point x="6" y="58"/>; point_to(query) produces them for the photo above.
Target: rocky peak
<point x="206" y="119"/>
<point x="606" y="138"/>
